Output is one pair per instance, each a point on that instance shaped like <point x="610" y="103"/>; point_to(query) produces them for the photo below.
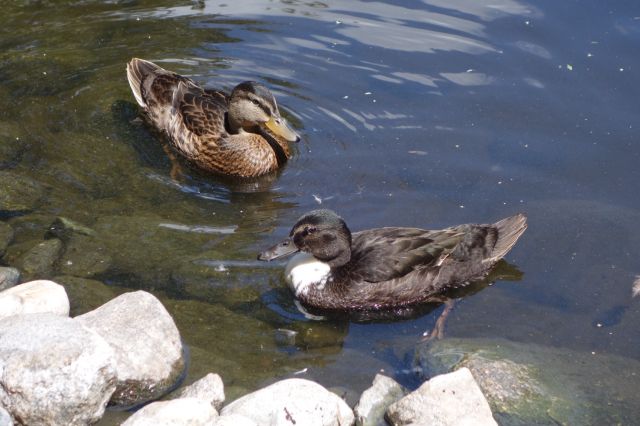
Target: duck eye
<point x="255" y="102"/>
<point x="309" y="230"/>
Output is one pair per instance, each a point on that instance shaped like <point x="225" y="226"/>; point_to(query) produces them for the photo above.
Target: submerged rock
<point x="85" y="256"/>
<point x="292" y="401"/>
<point x="449" y="399"/>
<point x="18" y="193"/>
<point x="176" y="412"/>
<point x="6" y="235"/>
<point x="39" y="296"/>
<point x="54" y="370"/>
<point x="8" y="277"/>
<point x="147" y="345"/>
<point x="375" y="401"/>
<point x="41" y="259"/>
<point x="533" y="384"/>
<point x="210" y="388"/>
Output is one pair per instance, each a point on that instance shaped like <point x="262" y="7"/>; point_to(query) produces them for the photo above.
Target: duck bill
<point x="280" y="127"/>
<point x="284" y="248"/>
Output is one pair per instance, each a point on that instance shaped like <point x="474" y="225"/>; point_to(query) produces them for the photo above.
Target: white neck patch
<point x="304" y="272"/>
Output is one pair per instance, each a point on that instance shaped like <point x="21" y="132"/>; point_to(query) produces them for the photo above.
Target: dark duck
<point x="386" y="268"/>
<point x="241" y="134"/>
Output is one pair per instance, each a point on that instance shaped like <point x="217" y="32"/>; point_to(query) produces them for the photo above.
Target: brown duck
<point x="241" y="134"/>
<point x="387" y="268"/>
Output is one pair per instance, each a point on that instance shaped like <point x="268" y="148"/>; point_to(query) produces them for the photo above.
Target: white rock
<point x="34" y="297"/>
<point x="375" y="401"/>
<point x="53" y="370"/>
<point x="146" y="342"/>
<point x="448" y="399"/>
<point x="209" y="388"/>
<point x="175" y="412"/>
<point x="292" y="401"/>
<point x="234" y="420"/>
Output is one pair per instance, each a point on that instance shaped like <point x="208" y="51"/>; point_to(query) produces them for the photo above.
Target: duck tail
<point x="137" y="72"/>
<point x="509" y="230"/>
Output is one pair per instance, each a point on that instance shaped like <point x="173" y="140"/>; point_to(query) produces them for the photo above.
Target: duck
<point x="387" y="268"/>
<point x="238" y="134"/>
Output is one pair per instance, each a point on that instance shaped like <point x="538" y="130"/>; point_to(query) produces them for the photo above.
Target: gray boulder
<point x="8" y="277"/>
<point x="176" y="412"/>
<point x="39" y="296"/>
<point x="449" y="399"/>
<point x="292" y="401"/>
<point x="209" y="388"/>
<point x="54" y="370"/>
<point x="375" y="401"/>
<point x="147" y="345"/>
<point x="532" y="384"/>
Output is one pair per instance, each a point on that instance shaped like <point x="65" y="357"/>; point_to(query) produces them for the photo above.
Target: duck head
<point x="252" y="108"/>
<point x="321" y="233"/>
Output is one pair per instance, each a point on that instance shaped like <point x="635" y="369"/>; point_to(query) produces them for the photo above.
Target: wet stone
<point x="18" y="194"/>
<point x="40" y="260"/>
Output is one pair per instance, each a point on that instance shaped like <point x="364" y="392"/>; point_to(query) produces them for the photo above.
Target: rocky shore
<point x="127" y="353"/>
<point x="59" y="370"/>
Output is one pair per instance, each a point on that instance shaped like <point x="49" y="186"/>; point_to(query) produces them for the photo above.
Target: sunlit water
<point x="421" y="114"/>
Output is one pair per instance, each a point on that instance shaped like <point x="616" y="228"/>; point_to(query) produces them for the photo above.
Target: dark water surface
<point x="414" y="113"/>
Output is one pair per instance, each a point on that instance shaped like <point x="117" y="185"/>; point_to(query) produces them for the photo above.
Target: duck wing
<point x="386" y="253"/>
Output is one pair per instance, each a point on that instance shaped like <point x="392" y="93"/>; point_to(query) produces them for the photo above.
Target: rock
<point x="209" y="388"/>
<point x="375" y="401"/>
<point x="234" y="420"/>
<point x="85" y="257"/>
<point x="84" y="294"/>
<point x="39" y="296"/>
<point x="147" y="345"/>
<point x="18" y="194"/>
<point x="449" y="399"/>
<point x="40" y="260"/>
<point x="533" y="384"/>
<point x="292" y="401"/>
<point x="6" y="235"/>
<point x="5" y="418"/>
<point x="176" y="412"/>
<point x="8" y="277"/>
<point x="54" y="370"/>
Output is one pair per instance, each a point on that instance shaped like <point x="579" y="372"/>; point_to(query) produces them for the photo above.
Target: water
<point x="415" y="113"/>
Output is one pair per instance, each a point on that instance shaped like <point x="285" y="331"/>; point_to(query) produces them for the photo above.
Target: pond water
<point x="424" y="114"/>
